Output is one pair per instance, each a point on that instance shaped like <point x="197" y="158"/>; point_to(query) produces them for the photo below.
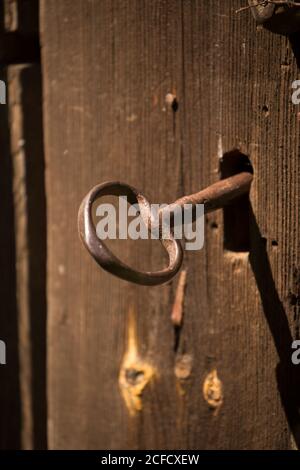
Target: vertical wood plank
<point x="26" y="149"/>
<point x="22" y="240"/>
<point x="107" y="68"/>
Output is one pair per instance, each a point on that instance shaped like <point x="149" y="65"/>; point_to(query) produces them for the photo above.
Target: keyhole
<point x="236" y="215"/>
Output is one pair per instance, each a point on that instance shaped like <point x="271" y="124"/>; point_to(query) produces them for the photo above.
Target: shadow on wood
<point x="287" y="374"/>
<point x="295" y="43"/>
<point x="36" y="238"/>
<point x="10" y="410"/>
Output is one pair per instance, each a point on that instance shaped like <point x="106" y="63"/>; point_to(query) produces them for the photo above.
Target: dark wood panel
<point x="10" y="407"/>
<point x="23" y="232"/>
<point x="228" y="383"/>
<point x="27" y="157"/>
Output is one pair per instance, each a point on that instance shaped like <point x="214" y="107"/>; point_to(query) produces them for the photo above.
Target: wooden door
<point x="118" y="375"/>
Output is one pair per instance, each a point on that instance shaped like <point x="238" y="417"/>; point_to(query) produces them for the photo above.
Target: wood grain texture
<point x="26" y="153"/>
<point x="10" y="408"/>
<point x="107" y="69"/>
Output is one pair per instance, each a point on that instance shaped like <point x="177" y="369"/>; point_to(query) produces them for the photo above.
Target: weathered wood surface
<point x="22" y="233"/>
<point x="9" y="376"/>
<point x="26" y="153"/>
<point x="23" y="250"/>
<point x="229" y="383"/>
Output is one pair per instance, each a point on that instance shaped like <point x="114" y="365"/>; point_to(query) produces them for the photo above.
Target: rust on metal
<point x="178" y="306"/>
<point x="214" y="197"/>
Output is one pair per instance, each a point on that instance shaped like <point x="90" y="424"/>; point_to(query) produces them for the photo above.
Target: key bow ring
<point x="101" y="253"/>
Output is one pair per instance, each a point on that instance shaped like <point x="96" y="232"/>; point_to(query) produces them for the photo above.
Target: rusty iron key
<point x="213" y="197"/>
